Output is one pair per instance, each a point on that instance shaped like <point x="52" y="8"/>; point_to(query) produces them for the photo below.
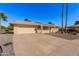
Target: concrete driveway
<point x="44" y="45"/>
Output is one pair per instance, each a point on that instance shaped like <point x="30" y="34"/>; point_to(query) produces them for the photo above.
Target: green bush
<point x="5" y="28"/>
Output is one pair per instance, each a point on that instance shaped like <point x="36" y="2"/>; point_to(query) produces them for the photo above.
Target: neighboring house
<point x="74" y="27"/>
<point x="77" y="27"/>
<point x="30" y="27"/>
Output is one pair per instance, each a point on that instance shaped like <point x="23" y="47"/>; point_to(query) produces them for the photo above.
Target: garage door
<point x="20" y="30"/>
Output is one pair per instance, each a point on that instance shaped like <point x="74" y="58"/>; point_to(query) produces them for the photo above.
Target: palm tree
<point x="66" y="16"/>
<point x="62" y="16"/>
<point x="2" y="17"/>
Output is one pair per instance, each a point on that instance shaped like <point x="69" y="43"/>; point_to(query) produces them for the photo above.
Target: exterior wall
<point x="55" y="30"/>
<point x="11" y="26"/>
<point x="43" y="31"/>
<point x="20" y="30"/>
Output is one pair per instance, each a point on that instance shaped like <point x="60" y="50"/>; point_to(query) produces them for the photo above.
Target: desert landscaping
<point x="6" y="44"/>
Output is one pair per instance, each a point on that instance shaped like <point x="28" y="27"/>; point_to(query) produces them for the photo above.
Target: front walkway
<point x="40" y="45"/>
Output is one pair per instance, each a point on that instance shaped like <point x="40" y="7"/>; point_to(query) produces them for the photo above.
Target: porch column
<point x="49" y="28"/>
<point x="41" y="28"/>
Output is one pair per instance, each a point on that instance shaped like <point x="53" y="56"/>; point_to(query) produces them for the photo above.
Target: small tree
<point x="50" y="23"/>
<point x="26" y="19"/>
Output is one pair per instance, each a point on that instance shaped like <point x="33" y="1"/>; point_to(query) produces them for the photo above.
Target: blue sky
<point x="39" y="12"/>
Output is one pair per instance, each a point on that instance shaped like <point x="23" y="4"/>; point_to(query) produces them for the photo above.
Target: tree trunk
<point x="62" y="16"/>
<point x="66" y="17"/>
<point x="0" y="23"/>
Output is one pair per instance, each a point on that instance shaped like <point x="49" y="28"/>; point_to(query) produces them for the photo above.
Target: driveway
<point x="44" y="45"/>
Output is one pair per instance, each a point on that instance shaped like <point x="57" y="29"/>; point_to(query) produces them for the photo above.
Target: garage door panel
<point x="19" y="30"/>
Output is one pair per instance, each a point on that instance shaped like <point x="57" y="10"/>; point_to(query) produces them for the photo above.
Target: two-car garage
<point x="20" y="30"/>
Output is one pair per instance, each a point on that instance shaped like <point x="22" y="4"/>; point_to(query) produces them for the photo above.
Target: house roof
<point x="73" y="26"/>
<point x="30" y="23"/>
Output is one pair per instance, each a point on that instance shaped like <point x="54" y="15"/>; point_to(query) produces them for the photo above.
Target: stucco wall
<point x="20" y="30"/>
<point x="43" y="31"/>
<point x="55" y="30"/>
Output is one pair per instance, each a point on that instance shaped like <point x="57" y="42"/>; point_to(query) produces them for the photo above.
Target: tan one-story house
<point x="30" y="27"/>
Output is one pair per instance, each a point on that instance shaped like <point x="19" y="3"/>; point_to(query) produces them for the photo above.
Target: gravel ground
<point x="6" y="44"/>
<point x="65" y="36"/>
